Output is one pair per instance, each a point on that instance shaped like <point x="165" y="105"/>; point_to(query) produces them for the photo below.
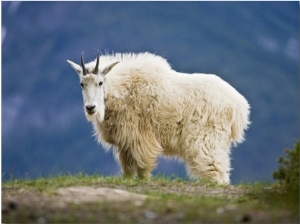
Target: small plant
<point x="288" y="171"/>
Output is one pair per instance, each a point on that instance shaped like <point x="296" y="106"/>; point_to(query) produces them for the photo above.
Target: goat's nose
<point x="90" y="108"/>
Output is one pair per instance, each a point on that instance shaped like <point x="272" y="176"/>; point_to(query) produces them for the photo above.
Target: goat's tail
<point x="240" y="123"/>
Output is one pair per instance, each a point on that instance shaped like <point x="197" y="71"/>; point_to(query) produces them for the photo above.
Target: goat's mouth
<point x="90" y="112"/>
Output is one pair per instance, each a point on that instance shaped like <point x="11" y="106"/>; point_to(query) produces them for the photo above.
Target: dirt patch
<point x="62" y="196"/>
<point x="79" y="195"/>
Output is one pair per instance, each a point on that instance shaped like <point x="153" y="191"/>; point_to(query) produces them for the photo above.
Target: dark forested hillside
<point x="252" y="45"/>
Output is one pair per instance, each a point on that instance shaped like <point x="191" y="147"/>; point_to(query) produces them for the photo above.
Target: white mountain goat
<point x="142" y="107"/>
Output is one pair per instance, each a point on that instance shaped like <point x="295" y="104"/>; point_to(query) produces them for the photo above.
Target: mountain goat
<point x="142" y="107"/>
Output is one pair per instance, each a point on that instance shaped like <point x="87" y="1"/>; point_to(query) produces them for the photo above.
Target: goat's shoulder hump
<point x="139" y="60"/>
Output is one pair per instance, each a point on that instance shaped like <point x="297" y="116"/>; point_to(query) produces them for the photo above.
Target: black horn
<point x="84" y="71"/>
<point x="97" y="65"/>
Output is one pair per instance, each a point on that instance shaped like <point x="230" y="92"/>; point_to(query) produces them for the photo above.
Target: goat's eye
<point x="100" y="83"/>
<point x="81" y="84"/>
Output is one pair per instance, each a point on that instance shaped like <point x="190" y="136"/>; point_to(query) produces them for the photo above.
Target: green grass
<point x="169" y="201"/>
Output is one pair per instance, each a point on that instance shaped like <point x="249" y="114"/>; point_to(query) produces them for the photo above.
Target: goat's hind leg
<point x="212" y="163"/>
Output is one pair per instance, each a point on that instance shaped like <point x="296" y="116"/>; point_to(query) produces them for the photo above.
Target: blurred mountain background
<point x="252" y="45"/>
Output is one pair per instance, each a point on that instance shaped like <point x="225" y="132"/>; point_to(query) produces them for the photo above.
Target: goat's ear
<point x="108" y="68"/>
<point x="77" y="68"/>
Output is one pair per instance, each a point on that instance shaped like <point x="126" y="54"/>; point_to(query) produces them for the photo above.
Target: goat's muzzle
<point x="90" y="109"/>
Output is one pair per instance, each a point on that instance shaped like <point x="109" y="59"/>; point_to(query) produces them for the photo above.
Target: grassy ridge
<point x="169" y="201"/>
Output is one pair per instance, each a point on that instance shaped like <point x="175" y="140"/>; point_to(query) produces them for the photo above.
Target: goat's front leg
<point x="128" y="164"/>
<point x="145" y="165"/>
<point x="144" y="173"/>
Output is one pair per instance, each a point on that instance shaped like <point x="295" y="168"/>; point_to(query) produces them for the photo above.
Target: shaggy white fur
<point x="149" y="110"/>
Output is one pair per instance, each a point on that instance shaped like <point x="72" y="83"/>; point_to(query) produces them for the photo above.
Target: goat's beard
<point x="100" y="117"/>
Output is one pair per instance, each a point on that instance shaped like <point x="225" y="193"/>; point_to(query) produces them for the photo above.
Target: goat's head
<point x="92" y="83"/>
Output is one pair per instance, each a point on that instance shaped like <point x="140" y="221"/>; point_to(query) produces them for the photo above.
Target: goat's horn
<point x="97" y="65"/>
<point x="82" y="65"/>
